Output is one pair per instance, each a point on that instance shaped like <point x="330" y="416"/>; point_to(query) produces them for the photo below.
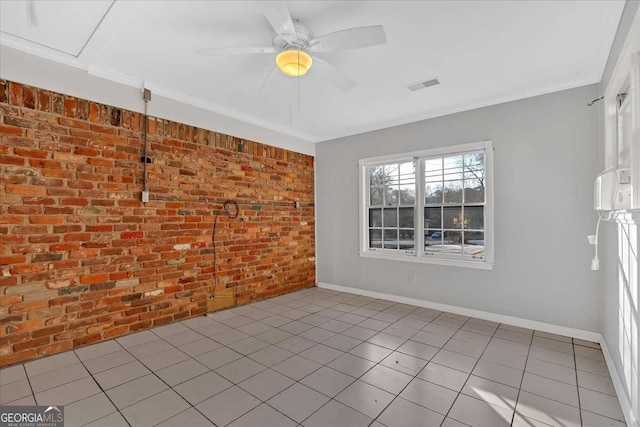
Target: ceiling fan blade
<point x="235" y="50"/>
<point x="280" y="19"/>
<point x="332" y="75"/>
<point x="353" y="38"/>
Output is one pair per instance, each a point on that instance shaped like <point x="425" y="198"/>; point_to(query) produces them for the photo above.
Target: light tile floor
<point x="327" y="359"/>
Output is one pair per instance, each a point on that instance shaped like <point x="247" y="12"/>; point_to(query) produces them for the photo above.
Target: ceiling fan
<point x="296" y="46"/>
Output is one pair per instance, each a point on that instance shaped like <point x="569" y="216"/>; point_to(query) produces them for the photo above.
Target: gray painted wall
<point x="618" y="322"/>
<point x="545" y="160"/>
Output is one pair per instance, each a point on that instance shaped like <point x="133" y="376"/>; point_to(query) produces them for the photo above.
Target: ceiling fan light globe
<point x="294" y="63"/>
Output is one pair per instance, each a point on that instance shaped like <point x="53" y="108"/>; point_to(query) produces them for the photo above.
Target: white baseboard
<point x="625" y="404"/>
<point x="485" y="315"/>
<point x="510" y="320"/>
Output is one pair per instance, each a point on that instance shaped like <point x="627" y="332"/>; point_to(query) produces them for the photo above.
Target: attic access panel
<point x="40" y="22"/>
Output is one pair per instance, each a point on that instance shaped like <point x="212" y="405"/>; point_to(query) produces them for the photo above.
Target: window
<point x="622" y="144"/>
<point x="432" y="206"/>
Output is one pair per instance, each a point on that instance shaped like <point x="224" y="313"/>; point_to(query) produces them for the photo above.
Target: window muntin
<point x="391" y="205"/>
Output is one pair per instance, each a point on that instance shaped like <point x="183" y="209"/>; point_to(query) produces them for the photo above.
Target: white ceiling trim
<point x="185" y="99"/>
<point x="39" y="50"/>
<point x="465" y="107"/>
<point x="68" y="76"/>
<point x="116" y="77"/>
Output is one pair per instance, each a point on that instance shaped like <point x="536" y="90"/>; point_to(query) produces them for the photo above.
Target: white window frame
<point x="625" y="78"/>
<point x="418" y="255"/>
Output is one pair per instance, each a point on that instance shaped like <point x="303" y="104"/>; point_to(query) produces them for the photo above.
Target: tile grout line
<point x="270" y="367"/>
<point x="101" y="390"/>
<point x="326" y="365"/>
<point x="524" y="371"/>
<point x="416" y="376"/>
<point x="157" y="376"/>
<point x="575" y="363"/>
<point x="24" y="369"/>
<point x="470" y="373"/>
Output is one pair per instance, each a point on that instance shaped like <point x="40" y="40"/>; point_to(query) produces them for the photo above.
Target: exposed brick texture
<point x="82" y="259"/>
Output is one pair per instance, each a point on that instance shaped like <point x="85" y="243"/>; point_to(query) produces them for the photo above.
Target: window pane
<point x="390" y="218"/>
<point x="473" y="191"/>
<point x="433" y="240"/>
<point x="391" y="174"/>
<point x="407" y="239"/>
<point x="406" y="217"/>
<point x="408" y="195"/>
<point x="375" y="238"/>
<point x="452" y="217"/>
<point x="375" y="196"/>
<point x="474" y="217"/>
<point x="391" y="239"/>
<point x="474" y="166"/>
<point x="375" y="217"/>
<point x="452" y="243"/>
<point x="390" y="195"/>
<point x="453" y="167"/>
<point x="473" y="243"/>
<point x="433" y="194"/>
<point x="376" y="175"/>
<point x="453" y="192"/>
<point x="407" y="173"/>
<point x="433" y="170"/>
<point x="432" y="218"/>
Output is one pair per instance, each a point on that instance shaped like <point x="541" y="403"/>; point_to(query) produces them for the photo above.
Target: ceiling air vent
<point x="421" y="85"/>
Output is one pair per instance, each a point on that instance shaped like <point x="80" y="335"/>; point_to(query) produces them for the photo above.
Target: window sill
<point x="481" y="265"/>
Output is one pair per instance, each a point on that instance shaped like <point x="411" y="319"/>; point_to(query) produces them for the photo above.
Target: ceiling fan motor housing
<point x="301" y="39"/>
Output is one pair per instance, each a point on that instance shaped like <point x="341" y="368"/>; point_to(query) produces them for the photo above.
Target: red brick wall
<point x="83" y="259"/>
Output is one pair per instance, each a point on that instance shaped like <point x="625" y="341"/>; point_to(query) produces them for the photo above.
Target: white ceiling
<point x="483" y="53"/>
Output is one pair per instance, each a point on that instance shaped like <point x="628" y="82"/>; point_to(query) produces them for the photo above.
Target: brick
<point x="74" y="201"/>
<point x="35" y="343"/>
<point x="87" y="339"/>
<point x="55" y="348"/>
<point x="73" y="123"/>
<point x="26" y="190"/>
<point x="27" y="268"/>
<point x="10" y="299"/>
<point x="132" y="235"/>
<point x="23" y="152"/>
<point x="94" y="278"/>
<point x="44" y="100"/>
<point x="46" y="257"/>
<point x="67" y="247"/>
<point x="17" y="357"/>
<point x="14" y="338"/>
<point x="129" y="283"/>
<point x="28" y="306"/>
<point x="48" y="219"/>
<point x="6" y="260"/>
<point x="51" y="330"/>
<point x="10" y="130"/>
<point x="28" y="97"/>
<point x="115" y="332"/>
